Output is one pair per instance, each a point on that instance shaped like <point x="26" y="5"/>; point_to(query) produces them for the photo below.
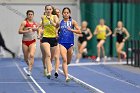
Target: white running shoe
<point x="105" y="57"/>
<point x="67" y="79"/>
<point x="45" y="72"/>
<point x="98" y="59"/>
<point x="48" y="75"/>
<point x="77" y="61"/>
<point x="29" y="73"/>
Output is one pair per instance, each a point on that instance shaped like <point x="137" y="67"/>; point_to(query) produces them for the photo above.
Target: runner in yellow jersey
<point x="49" y="41"/>
<point x="100" y="31"/>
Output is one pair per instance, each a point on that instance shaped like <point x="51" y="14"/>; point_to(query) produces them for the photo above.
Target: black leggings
<point x="2" y="44"/>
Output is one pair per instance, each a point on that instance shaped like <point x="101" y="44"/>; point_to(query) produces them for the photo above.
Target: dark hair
<point x="66" y="8"/>
<point x="47" y="6"/>
<point x="44" y="13"/>
<point x="29" y="11"/>
<point x="54" y="11"/>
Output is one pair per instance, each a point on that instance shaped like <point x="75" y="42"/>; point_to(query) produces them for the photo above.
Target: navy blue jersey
<point x="66" y="36"/>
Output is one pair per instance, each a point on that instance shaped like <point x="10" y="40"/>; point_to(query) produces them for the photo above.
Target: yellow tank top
<point x="49" y="29"/>
<point x="101" y="32"/>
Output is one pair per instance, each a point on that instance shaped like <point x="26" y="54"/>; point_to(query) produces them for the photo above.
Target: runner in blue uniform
<point x="66" y="39"/>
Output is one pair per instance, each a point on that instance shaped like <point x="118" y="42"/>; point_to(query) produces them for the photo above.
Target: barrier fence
<point x="133" y="52"/>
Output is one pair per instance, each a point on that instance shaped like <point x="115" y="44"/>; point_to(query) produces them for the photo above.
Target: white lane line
<point x="14" y="82"/>
<point x="93" y="63"/>
<point x="21" y="82"/>
<point x="34" y="90"/>
<point x="93" y="89"/>
<point x="89" y="69"/>
<point x="40" y="88"/>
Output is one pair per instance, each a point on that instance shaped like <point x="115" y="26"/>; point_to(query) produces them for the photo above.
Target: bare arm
<point x="77" y="28"/>
<point x="40" y="27"/>
<point x="22" y="29"/>
<point x="40" y="30"/>
<point x="95" y="31"/>
<point x="115" y="32"/>
<point x="55" y="22"/>
<point x="127" y="34"/>
<point x="79" y="35"/>
<point x="42" y="19"/>
<point x="110" y="32"/>
<point x="90" y="34"/>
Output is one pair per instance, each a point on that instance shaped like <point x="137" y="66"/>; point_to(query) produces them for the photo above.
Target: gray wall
<point x="12" y="14"/>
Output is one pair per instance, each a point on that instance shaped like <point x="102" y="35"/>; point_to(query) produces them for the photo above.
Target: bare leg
<point x="80" y="50"/>
<point x="103" y="51"/>
<point x="120" y="51"/>
<point x="43" y="56"/>
<point x="119" y="55"/>
<point x="69" y="55"/>
<point x="32" y="49"/>
<point x="99" y="45"/>
<point x="46" y="47"/>
<point x="55" y="54"/>
<point x="25" y="50"/>
<point x="63" y="52"/>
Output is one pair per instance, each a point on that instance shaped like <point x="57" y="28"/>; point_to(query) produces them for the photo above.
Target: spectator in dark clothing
<point x="2" y="44"/>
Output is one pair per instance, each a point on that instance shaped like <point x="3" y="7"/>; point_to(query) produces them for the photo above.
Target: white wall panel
<point x="11" y="16"/>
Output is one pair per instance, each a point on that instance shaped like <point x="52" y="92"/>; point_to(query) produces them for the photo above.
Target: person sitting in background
<point x="2" y="44"/>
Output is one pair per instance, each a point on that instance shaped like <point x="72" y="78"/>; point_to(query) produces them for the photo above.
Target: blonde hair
<point x="85" y="22"/>
<point x="102" y="20"/>
<point x="121" y="23"/>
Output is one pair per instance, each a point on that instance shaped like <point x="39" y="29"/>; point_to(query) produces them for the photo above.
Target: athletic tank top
<point x="85" y="35"/>
<point x="29" y="35"/>
<point x="66" y="36"/>
<point x="49" y="29"/>
<point x="101" y="32"/>
<point x="119" y="34"/>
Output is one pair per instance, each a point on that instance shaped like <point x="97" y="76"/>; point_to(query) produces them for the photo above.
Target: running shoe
<point x="77" y="61"/>
<point x="48" y="75"/>
<point x="67" y="79"/>
<point x="45" y="72"/>
<point x="97" y="59"/>
<point x="56" y="74"/>
<point x="28" y="73"/>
